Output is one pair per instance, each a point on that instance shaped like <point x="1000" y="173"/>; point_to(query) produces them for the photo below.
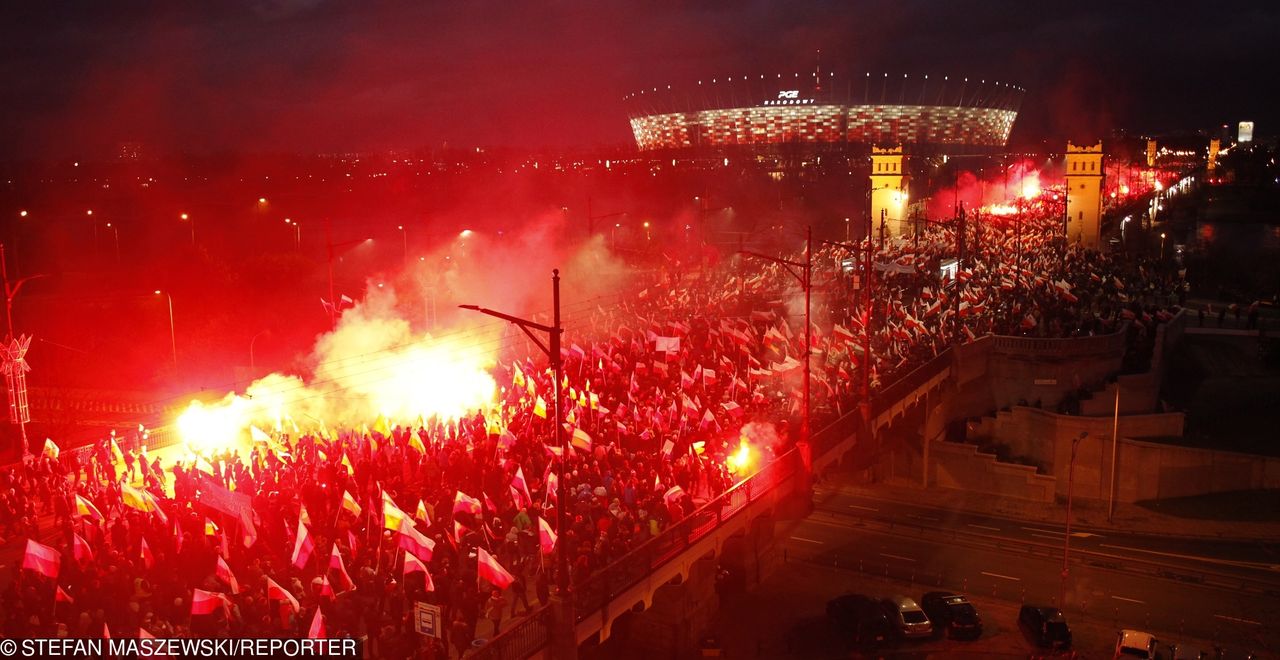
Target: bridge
<point x="630" y="583"/>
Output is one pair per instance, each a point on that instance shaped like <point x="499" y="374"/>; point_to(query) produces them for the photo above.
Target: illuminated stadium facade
<point x="824" y="112"/>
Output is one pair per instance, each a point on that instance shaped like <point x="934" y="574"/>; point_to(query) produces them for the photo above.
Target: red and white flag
<point x="62" y="597"/>
<point x="224" y="573"/>
<point x="277" y="592"/>
<point x="316" y="631"/>
<point x="80" y="549"/>
<point x="336" y="564"/>
<point x="302" y="546"/>
<point x="416" y="542"/>
<point x="148" y="559"/>
<point x="413" y="565"/>
<point x="491" y="571"/>
<point x="208" y="602"/>
<point x="465" y="503"/>
<point x="250" y="532"/>
<point x="521" y="485"/>
<point x="546" y="537"/>
<point x="42" y="559"/>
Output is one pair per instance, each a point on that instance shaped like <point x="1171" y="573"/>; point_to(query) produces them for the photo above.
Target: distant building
<point x="818" y="112"/>
<point x="129" y="151"/>
<point x="1245" y="132"/>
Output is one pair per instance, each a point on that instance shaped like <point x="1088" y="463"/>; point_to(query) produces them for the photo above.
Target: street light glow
<point x="464" y="233"/>
<point x="262" y="200"/>
<point x="22" y="214"/>
<point x="184" y="216"/>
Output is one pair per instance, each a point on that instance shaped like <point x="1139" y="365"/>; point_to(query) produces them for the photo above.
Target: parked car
<point x="1135" y="644"/>
<point x="951" y="614"/>
<point x="859" y="620"/>
<point x="1177" y="651"/>
<point x="907" y="617"/>
<point x="1045" y="625"/>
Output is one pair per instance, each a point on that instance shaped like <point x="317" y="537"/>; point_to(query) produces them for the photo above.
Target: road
<point x="932" y="555"/>
<point x="1200" y="558"/>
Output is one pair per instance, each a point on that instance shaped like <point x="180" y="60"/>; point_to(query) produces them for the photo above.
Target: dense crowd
<point x="340" y="534"/>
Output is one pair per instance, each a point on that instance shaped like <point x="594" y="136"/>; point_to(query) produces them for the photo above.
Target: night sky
<point x="313" y="75"/>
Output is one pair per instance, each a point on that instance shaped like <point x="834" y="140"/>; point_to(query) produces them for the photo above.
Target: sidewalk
<point x="1088" y="514"/>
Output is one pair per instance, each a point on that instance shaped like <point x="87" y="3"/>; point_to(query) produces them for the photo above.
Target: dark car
<point x="859" y="620"/>
<point x="1045" y="625"/>
<point x="952" y="614"/>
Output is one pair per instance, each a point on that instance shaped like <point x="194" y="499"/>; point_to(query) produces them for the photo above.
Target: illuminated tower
<point x="1084" y="194"/>
<point x="888" y="191"/>
<point x="1214" y="146"/>
<point x="1151" y="153"/>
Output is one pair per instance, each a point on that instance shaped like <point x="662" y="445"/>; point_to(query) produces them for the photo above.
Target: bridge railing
<point x="521" y="640"/>
<point x="634" y="566"/>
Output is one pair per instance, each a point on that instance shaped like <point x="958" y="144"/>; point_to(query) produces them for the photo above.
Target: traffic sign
<point x="426" y="619"/>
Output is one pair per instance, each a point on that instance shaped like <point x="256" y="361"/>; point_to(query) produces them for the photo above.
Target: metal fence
<point x="521" y="640"/>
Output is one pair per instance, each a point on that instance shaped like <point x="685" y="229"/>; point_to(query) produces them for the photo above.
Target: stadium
<point x="943" y="114"/>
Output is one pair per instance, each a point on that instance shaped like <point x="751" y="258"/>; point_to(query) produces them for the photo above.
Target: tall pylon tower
<point x="888" y="191"/>
<point x="1084" y="194"/>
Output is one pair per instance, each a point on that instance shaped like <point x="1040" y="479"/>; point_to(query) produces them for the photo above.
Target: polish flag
<point x="316" y="631"/>
<point x="520" y="484"/>
<point x="248" y="530"/>
<point x="42" y="559"/>
<point x="417" y="543"/>
<point x="208" y="602"/>
<point x="80" y="549"/>
<point x="336" y="564"/>
<point x="302" y="546"/>
<point x="414" y="565"/>
<point x="62" y="597"/>
<point x="546" y="537"/>
<point x="224" y="573"/>
<point x="277" y="592"/>
<point x="490" y="570"/>
<point x="465" y="503"/>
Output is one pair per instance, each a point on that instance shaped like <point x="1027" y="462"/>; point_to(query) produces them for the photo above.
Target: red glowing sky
<point x="310" y="75"/>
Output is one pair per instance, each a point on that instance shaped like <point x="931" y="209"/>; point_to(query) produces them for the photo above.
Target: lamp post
<point x="1066" y="542"/>
<point x="1162" y="246"/>
<point x="297" y="233"/>
<point x="404" y="236"/>
<point x="115" y="232"/>
<point x="802" y="271"/>
<point x="187" y="219"/>
<point x="252" y="363"/>
<point x="173" y="337"/>
<point x="846" y="230"/>
<point x="564" y="618"/>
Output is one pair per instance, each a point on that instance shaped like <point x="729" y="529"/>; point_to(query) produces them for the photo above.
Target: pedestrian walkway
<point x="1084" y="513"/>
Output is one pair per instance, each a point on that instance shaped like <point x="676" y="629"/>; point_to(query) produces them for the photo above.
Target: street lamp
<point x="802" y="271"/>
<point x="647" y="236"/>
<point x="1066" y="543"/>
<point x="405" y="236"/>
<point x="563" y="619"/>
<point x="1162" y="246"/>
<point x="173" y="337"/>
<point x="115" y="232"/>
<point x="187" y="218"/>
<point x="297" y="233"/>
<point x="846" y="230"/>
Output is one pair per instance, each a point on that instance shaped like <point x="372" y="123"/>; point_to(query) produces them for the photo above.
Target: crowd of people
<point x="340" y="534"/>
